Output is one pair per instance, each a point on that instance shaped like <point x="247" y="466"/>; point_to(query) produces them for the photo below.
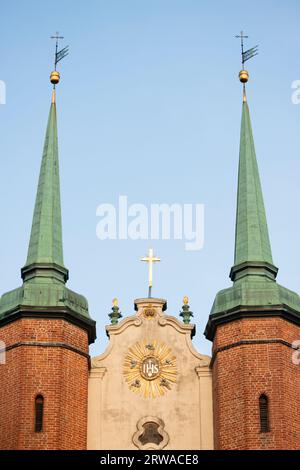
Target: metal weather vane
<point x="59" y="55"/>
<point x="249" y="53"/>
<point x="246" y="55"/>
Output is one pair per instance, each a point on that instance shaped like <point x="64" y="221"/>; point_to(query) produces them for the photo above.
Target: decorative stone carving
<point x="150" y="434"/>
<point x="150" y="368"/>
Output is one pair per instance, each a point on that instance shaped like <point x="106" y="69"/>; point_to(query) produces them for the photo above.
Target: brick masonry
<point x="253" y="356"/>
<point x="48" y="357"/>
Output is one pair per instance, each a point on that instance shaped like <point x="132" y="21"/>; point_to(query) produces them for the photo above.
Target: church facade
<point x="151" y="385"/>
<point x="150" y="389"/>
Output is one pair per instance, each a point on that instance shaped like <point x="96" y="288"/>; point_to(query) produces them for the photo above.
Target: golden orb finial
<point x="59" y="55"/>
<point x="185" y="300"/>
<point x="244" y="76"/>
<point x="54" y="77"/>
<point x="115" y="302"/>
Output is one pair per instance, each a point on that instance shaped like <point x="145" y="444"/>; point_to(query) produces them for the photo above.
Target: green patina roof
<point x="43" y="295"/>
<point x="45" y="244"/>
<point x="44" y="274"/>
<point x="252" y="238"/>
<point x="255" y="291"/>
<point x="253" y="272"/>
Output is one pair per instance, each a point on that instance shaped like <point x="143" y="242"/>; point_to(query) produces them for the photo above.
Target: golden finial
<point x="185" y="313"/>
<point x="54" y="77"/>
<point x="115" y="313"/>
<point x="246" y="55"/>
<point x="244" y="76"/>
<point x="59" y="55"/>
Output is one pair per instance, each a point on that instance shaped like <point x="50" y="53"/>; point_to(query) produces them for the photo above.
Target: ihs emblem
<point x="150" y="368"/>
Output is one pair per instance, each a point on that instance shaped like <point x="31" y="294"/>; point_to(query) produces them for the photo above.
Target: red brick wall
<point x="243" y="372"/>
<point x="57" y="373"/>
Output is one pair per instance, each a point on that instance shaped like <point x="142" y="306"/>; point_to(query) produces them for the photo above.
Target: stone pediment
<point x="150" y="369"/>
<point x="150" y="316"/>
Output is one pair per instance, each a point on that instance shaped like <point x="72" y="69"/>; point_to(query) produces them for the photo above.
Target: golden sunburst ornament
<point x="150" y="368"/>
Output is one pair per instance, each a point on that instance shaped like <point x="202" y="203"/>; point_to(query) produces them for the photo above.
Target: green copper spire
<point x="252" y="244"/>
<point x="43" y="293"/>
<point x="252" y="238"/>
<point x="255" y="292"/>
<point x="45" y="246"/>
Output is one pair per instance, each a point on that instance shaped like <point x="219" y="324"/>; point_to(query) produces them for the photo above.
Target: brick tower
<point x="253" y="325"/>
<point x="47" y="330"/>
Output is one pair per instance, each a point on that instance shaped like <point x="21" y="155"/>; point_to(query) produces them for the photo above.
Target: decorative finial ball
<point x="54" y="77"/>
<point x="244" y="76"/>
<point x="115" y="302"/>
<point x="185" y="300"/>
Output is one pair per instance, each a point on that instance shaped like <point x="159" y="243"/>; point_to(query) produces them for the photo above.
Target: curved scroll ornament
<point x="150" y="368"/>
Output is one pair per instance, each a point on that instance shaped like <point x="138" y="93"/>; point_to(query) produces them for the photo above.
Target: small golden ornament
<point x="244" y="76"/>
<point x="54" y="77"/>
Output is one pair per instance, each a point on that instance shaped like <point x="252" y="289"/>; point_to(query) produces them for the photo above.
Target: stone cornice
<point x="241" y="312"/>
<point x="52" y="313"/>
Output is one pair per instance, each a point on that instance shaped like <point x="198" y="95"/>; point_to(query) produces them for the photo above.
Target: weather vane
<point x="246" y="55"/>
<point x="150" y="259"/>
<point x="59" y="55"/>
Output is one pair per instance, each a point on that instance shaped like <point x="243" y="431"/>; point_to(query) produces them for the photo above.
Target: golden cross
<point x="150" y="259"/>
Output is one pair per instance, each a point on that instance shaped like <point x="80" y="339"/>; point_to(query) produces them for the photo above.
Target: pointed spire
<point x="254" y="292"/>
<point x="252" y="245"/>
<point x="45" y="251"/>
<point x="44" y="293"/>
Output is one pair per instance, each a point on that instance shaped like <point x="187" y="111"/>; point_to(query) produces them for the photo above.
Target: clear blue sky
<point x="149" y="106"/>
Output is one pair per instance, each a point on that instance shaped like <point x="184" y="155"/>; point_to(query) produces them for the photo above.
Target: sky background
<point x="149" y="106"/>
